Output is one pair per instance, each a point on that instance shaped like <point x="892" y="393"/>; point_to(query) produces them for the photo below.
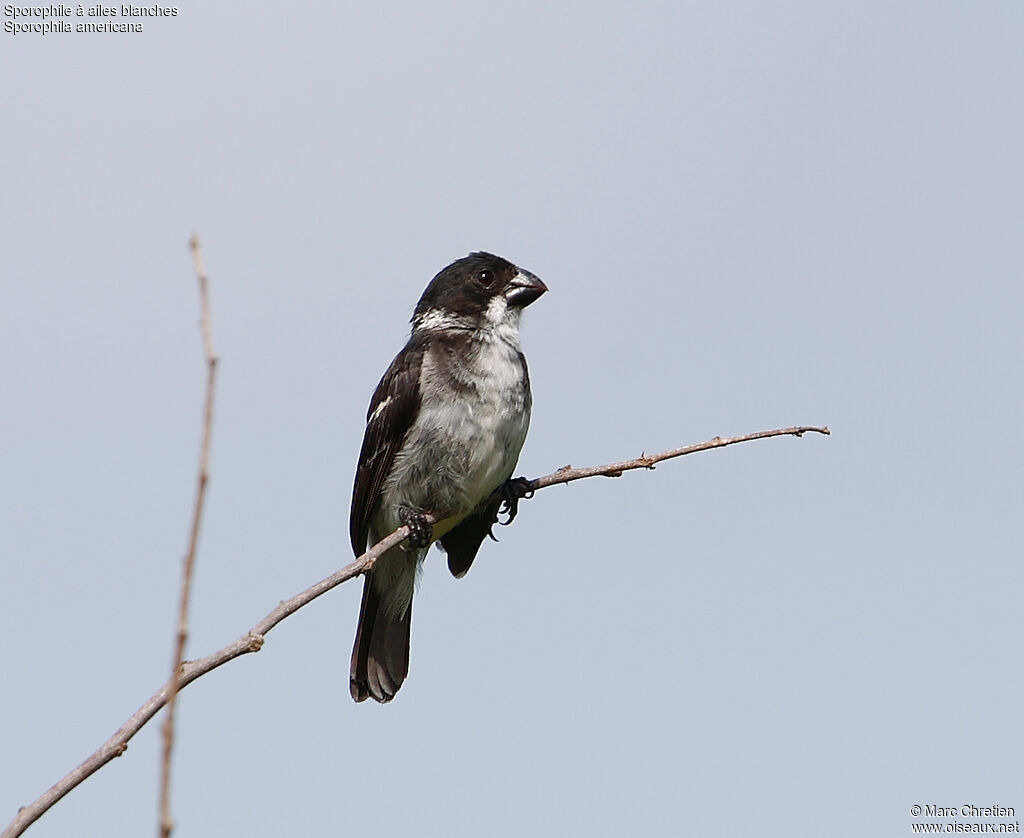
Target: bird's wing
<point x="393" y="409"/>
<point x="462" y="542"/>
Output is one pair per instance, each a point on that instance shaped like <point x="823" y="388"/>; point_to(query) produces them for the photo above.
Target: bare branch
<point x="252" y="640"/>
<point x="566" y="474"/>
<point x="166" y="824"/>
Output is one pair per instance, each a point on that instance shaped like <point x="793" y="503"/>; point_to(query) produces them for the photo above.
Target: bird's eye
<point x="485" y="278"/>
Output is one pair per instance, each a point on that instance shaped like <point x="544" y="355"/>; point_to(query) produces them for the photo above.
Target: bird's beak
<point x="524" y="288"/>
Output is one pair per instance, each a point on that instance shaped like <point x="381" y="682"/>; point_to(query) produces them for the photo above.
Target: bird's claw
<point x="421" y="533"/>
<point x="513" y="490"/>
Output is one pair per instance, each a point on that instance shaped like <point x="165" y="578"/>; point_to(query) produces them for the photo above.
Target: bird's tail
<point x="380" y="656"/>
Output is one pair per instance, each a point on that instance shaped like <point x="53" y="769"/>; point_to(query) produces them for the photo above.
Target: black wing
<point x="462" y="542"/>
<point x="393" y="409"/>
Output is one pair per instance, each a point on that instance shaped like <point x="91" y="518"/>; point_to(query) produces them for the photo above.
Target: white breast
<point x="465" y="442"/>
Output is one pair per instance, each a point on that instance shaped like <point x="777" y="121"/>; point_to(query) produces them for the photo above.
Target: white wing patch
<point x="379" y="409"/>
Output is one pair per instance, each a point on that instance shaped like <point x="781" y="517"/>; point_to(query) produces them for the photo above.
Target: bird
<point x="444" y="430"/>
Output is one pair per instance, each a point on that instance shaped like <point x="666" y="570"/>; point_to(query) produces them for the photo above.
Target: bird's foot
<point x="512" y="491"/>
<point x="421" y="533"/>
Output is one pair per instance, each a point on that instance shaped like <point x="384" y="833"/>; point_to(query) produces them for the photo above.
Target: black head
<point x="472" y="286"/>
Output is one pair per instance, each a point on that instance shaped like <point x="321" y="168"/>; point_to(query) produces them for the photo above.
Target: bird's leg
<point x="421" y="533"/>
<point x="512" y="491"/>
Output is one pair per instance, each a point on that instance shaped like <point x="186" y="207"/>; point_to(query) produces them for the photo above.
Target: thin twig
<point x="252" y="640"/>
<point x="567" y="474"/>
<point x="174" y="685"/>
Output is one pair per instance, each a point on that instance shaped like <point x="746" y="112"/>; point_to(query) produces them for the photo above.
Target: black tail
<point x="380" y="656"/>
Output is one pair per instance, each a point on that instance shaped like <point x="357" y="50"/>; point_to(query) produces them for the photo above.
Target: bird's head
<point x="478" y="291"/>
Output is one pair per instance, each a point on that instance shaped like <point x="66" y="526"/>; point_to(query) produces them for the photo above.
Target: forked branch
<point x="252" y="640"/>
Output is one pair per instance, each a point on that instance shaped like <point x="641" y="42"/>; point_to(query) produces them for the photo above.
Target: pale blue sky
<point x="749" y="216"/>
